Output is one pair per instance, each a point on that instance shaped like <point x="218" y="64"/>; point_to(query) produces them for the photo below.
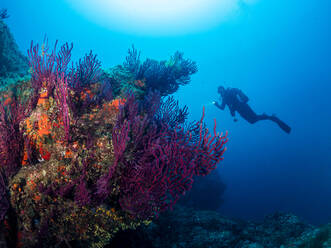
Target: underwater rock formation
<point x="188" y="228"/>
<point x="88" y="153"/>
<point x="4" y="204"/>
<point x="13" y="64"/>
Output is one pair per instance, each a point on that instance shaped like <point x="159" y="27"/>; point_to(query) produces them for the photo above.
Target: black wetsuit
<point x="236" y="100"/>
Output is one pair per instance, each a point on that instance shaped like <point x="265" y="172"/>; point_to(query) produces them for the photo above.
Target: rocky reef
<point x="88" y="152"/>
<point x="189" y="228"/>
<point x="13" y="64"/>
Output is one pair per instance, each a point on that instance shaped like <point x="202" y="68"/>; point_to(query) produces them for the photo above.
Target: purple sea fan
<point x="62" y="99"/>
<point x="82" y="196"/>
<point x="208" y="150"/>
<point x="11" y="137"/>
<point x="156" y="181"/>
<point x="164" y="159"/>
<point x="87" y="72"/>
<point x="120" y="137"/>
<point x="47" y="64"/>
<point x="102" y="186"/>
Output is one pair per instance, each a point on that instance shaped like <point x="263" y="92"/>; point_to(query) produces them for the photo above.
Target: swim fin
<point x="286" y="128"/>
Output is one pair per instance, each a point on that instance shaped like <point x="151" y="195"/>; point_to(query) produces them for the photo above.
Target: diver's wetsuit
<point x="236" y="100"/>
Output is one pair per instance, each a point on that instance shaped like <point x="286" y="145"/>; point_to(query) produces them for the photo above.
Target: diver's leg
<point x="262" y="117"/>
<point x="275" y="119"/>
<point x="248" y="114"/>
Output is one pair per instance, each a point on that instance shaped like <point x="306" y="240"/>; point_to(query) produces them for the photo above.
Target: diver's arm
<point x="222" y="106"/>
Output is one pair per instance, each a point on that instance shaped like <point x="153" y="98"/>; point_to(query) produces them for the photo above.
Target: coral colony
<point x="86" y="153"/>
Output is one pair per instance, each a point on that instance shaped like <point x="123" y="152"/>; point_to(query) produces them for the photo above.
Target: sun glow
<point x="157" y="16"/>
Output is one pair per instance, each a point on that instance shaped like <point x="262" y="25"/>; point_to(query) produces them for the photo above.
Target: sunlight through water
<point x="158" y="17"/>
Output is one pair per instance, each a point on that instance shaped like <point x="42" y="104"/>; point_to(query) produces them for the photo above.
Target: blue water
<point x="278" y="52"/>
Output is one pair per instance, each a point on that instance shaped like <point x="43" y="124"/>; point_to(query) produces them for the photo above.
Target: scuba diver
<point x="236" y="100"/>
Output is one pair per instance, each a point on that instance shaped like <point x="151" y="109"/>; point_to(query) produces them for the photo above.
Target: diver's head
<point x="221" y="90"/>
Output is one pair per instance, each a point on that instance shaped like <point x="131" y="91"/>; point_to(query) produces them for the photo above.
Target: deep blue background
<point x="277" y="51"/>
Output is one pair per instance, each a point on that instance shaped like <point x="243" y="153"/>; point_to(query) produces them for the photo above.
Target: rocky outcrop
<point x="188" y="228"/>
<point x="13" y="64"/>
